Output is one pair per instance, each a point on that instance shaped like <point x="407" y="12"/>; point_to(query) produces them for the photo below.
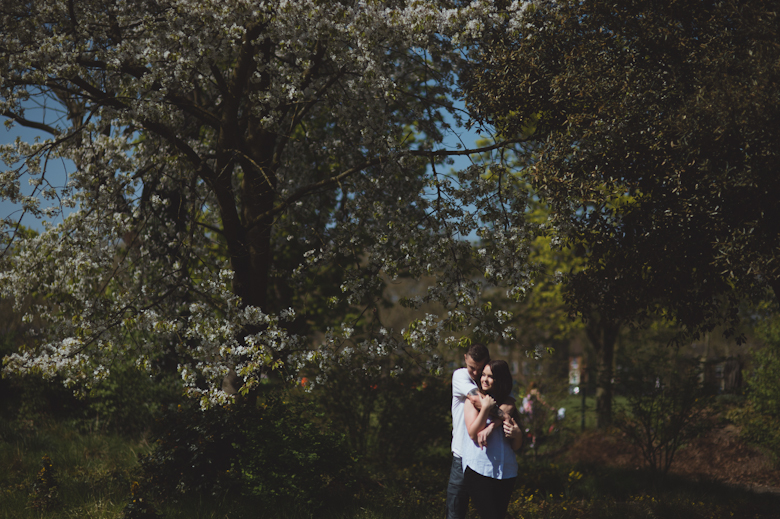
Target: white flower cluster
<point x="234" y="161"/>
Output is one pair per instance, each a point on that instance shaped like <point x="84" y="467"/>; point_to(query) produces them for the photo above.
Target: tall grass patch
<point x="51" y="469"/>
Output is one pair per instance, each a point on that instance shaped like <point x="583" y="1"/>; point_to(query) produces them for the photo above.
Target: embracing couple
<point x="485" y="436"/>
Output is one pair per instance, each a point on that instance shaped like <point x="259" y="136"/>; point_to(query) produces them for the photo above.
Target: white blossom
<point x="332" y="103"/>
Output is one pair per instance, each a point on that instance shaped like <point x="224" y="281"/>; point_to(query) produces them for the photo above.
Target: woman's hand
<point x="512" y="430"/>
<point x="487" y="402"/>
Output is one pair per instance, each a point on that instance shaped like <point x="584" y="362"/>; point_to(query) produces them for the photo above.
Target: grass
<point x="573" y="406"/>
<point x="94" y="472"/>
<point x="551" y="491"/>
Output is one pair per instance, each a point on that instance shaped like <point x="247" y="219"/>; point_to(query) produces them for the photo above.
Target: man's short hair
<point x="478" y="353"/>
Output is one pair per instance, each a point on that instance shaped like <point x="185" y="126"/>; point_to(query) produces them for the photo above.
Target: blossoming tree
<point x="226" y="156"/>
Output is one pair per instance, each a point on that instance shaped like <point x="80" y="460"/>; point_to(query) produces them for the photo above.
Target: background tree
<point x="657" y="125"/>
<point x="228" y="157"/>
<point x="542" y="313"/>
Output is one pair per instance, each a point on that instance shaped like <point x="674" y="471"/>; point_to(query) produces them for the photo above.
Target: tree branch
<point x="447" y="153"/>
<point x="313" y="187"/>
<point x="179" y="101"/>
<point x="30" y="124"/>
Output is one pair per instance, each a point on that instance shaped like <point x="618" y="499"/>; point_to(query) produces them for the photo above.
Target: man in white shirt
<point x="463" y="381"/>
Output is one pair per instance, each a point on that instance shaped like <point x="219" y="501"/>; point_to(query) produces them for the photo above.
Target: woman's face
<point x="487" y="378"/>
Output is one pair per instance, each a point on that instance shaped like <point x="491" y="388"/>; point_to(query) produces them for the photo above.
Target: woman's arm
<point x="477" y="420"/>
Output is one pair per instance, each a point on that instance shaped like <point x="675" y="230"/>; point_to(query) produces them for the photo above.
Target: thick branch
<point x="245" y="64"/>
<point x="178" y="100"/>
<point x="447" y="153"/>
<point x="30" y="124"/>
<point x="314" y="187"/>
<point x="341" y="176"/>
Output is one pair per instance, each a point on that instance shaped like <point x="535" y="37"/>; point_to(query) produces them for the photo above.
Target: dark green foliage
<point x="279" y="448"/>
<point x="760" y="418"/>
<point x="758" y="428"/>
<point x="286" y="445"/>
<point x="98" y="487"/>
<point x="391" y="420"/>
<point x="30" y="397"/>
<point x="129" y="400"/>
<point x="549" y="490"/>
<point x="290" y="454"/>
<point x="194" y="453"/>
<point x="665" y="405"/>
<point x="413" y="418"/>
<point x="763" y="385"/>
<point x="139" y="507"/>
<point x="761" y="424"/>
<point x="657" y="125"/>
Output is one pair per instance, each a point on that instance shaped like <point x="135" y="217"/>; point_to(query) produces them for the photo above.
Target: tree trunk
<point x="602" y="334"/>
<point x="251" y="254"/>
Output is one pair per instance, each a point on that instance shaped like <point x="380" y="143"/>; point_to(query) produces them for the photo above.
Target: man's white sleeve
<point x="461" y="384"/>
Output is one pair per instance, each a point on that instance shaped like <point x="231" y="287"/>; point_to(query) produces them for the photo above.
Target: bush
<point x="760" y="418"/>
<point x="413" y="420"/>
<point x="758" y="428"/>
<point x="126" y="402"/>
<point x="194" y="453"/>
<point x="129" y="400"/>
<point x="391" y="420"/>
<point x="665" y="405"/>
<point x="45" y="495"/>
<point x="290" y="453"/>
<point x="278" y="447"/>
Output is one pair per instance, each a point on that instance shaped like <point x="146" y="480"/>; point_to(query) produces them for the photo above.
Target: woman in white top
<point x="489" y="462"/>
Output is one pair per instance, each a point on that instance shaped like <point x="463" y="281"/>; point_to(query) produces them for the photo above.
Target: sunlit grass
<point x="92" y="471"/>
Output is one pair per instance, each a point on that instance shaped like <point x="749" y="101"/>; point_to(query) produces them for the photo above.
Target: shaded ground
<point x="717" y="455"/>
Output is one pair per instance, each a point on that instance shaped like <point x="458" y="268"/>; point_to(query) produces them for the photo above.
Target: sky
<point x="56" y="172"/>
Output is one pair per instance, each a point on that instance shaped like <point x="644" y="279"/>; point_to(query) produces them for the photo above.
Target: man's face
<point x="474" y="368"/>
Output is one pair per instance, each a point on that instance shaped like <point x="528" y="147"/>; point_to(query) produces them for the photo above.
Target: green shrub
<point x="665" y="405"/>
<point x="194" y="453"/>
<point x="139" y="507"/>
<point x="391" y="420"/>
<point x="279" y="448"/>
<point x="412" y="419"/>
<point x="760" y="418"/>
<point x="764" y="391"/>
<point x="290" y="454"/>
<point x="129" y="400"/>
<point x="758" y="428"/>
<point x="45" y="495"/>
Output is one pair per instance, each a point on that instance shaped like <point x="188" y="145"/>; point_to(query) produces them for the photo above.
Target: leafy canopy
<point x="658" y="126"/>
<point x="247" y="175"/>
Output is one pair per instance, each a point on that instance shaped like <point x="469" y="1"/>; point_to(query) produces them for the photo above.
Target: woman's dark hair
<point x="502" y="380"/>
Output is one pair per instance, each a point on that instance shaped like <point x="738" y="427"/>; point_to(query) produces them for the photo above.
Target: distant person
<point x="488" y="456"/>
<point x="531" y="396"/>
<point x="535" y="409"/>
<point x="463" y="381"/>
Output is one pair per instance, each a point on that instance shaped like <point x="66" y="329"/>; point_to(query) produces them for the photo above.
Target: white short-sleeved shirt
<point x="461" y="385"/>
<point x="497" y="460"/>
